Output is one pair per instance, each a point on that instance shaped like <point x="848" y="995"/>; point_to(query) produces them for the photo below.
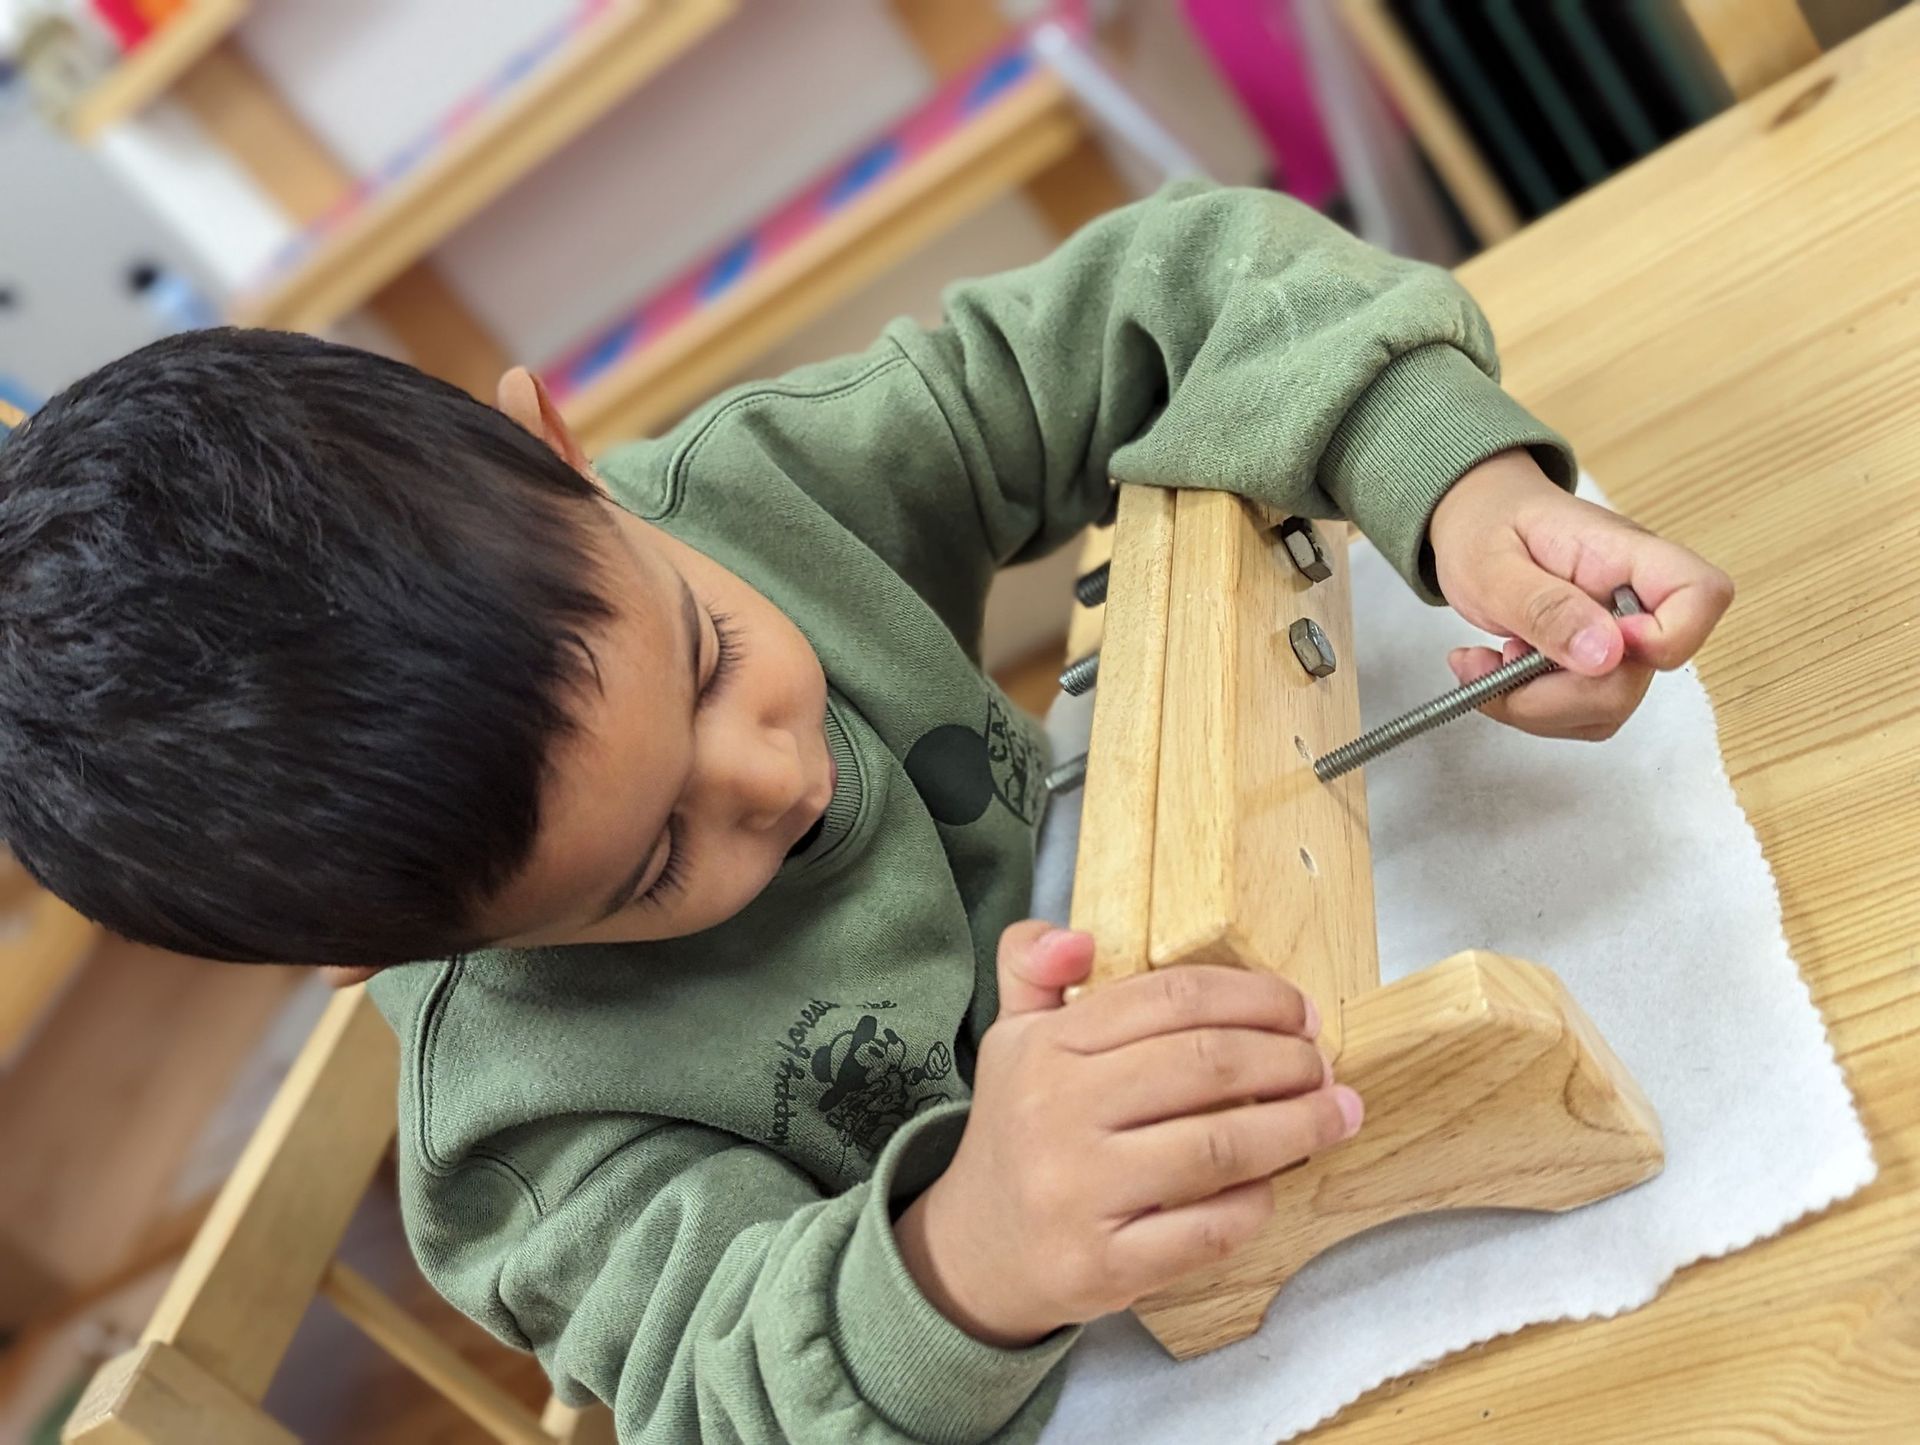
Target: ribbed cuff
<point x="1428" y="418"/>
<point x="927" y="1376"/>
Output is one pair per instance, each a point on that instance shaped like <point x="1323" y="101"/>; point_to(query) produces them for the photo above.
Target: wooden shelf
<point x="604" y="64"/>
<point x="152" y="67"/>
<point x="1034" y="126"/>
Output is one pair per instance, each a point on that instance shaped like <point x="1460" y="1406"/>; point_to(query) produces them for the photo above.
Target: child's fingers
<point x="1182" y="1160"/>
<point x="1521" y="597"/>
<point x="1169" y="1000"/>
<point x="1688" y="596"/>
<point x="1559" y="705"/>
<point x="1037" y="963"/>
<point x="1174" y="1075"/>
<point x="1164" y="1244"/>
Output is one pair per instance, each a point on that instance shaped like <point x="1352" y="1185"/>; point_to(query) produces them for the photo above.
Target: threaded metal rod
<point x="1090" y="590"/>
<point x="1445" y="708"/>
<point x="1081" y="676"/>
<point x="1068" y="776"/>
<point x="1462" y="700"/>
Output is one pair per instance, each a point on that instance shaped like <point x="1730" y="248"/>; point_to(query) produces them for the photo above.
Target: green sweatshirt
<point x="670" y="1169"/>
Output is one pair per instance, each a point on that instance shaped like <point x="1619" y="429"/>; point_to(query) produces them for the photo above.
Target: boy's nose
<point x="766" y="781"/>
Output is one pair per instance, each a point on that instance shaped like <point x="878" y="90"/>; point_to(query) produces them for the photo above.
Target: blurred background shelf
<point x="379" y="228"/>
<point x="861" y="217"/>
<point x="151" y="68"/>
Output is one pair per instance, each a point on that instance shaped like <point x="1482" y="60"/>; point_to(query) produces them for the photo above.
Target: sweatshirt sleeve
<point x="1220" y="338"/>
<point x="706" y="1289"/>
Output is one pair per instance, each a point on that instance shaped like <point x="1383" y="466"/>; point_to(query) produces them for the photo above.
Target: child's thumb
<point x="1037" y="963"/>
<point x="1553" y="615"/>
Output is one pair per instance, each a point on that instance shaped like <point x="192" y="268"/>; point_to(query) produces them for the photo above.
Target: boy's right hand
<point x="1119" y="1144"/>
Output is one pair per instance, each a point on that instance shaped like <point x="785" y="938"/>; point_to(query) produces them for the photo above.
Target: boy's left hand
<point x="1517" y="556"/>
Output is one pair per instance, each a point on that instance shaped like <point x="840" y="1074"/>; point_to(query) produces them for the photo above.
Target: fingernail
<point x="1351" y="1110"/>
<point x="1312" y="1025"/>
<point x="1589" y="646"/>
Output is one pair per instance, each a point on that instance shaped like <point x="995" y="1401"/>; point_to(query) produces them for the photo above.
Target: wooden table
<point x="1730" y="332"/>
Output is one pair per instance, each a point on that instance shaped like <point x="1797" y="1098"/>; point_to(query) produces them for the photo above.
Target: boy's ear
<point x="525" y="399"/>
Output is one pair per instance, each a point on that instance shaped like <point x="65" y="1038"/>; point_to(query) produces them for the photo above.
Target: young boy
<point x="684" y="772"/>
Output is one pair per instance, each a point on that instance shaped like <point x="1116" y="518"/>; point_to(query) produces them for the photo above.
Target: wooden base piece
<point x="1485" y="1086"/>
<point x="155" y="1394"/>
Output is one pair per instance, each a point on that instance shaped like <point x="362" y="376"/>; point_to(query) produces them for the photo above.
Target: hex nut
<point x="1303" y="547"/>
<point x="1311" y="646"/>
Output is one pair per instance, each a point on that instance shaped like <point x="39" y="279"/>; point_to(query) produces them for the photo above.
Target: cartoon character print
<point x="871" y="1088"/>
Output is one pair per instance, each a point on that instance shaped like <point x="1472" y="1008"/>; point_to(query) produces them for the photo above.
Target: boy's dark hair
<point x="287" y="634"/>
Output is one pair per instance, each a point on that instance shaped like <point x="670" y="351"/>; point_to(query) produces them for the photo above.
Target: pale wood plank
<point x="1478" y="192"/>
<point x="633" y="41"/>
<point x="1753" y="42"/>
<point x="1728" y="332"/>
<point x="252" y="1270"/>
<point x="431" y="1358"/>
<point x="1115" y="857"/>
<point x="157" y="1395"/>
<point x="1486" y="1087"/>
<point x="1256" y="862"/>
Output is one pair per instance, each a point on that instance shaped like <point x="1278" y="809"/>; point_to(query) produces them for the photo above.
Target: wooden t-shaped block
<point x="1206" y="838"/>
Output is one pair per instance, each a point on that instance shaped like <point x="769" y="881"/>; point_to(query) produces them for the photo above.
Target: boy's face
<point x="696" y="765"/>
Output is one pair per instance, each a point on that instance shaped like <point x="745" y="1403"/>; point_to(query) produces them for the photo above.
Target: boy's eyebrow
<point x="690" y="614"/>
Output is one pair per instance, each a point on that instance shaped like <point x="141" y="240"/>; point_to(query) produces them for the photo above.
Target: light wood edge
<point x="431" y="1358"/>
<point x="1486" y="1087"/>
<point x="578" y="1425"/>
<point x="1115" y="851"/>
<point x="1481" y="198"/>
<point x="1753" y="43"/>
<point x="10" y="416"/>
<point x="1257" y="863"/>
<point x="1192" y="878"/>
<point x="633" y="43"/>
<point x="251" y="1271"/>
<point x="147" y="72"/>
<point x="1021" y="136"/>
<point x="156" y="1395"/>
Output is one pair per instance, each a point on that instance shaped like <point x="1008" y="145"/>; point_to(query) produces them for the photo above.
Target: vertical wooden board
<point x="252" y="1270"/>
<point x="1193" y="860"/>
<point x="1115" y="860"/>
<point x="1257" y="863"/>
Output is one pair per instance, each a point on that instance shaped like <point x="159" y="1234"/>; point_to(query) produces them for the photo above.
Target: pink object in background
<point x="1255" y="46"/>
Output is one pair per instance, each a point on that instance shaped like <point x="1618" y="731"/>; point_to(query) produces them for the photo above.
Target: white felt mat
<point x="1630" y="870"/>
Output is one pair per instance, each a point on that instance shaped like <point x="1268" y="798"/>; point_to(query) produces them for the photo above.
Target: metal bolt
<point x="1080" y="677"/>
<point x="1303" y="546"/>
<point x="1448" y="706"/>
<point x="1091" y="590"/>
<point x="1068" y="776"/>
<point x="1310" y="645"/>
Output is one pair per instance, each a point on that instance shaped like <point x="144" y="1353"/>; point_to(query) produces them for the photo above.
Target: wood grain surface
<point x="1730" y="333"/>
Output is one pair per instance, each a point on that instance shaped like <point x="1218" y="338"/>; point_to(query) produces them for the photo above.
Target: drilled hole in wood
<point x="1306" y="861"/>
<point x="1300" y="746"/>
